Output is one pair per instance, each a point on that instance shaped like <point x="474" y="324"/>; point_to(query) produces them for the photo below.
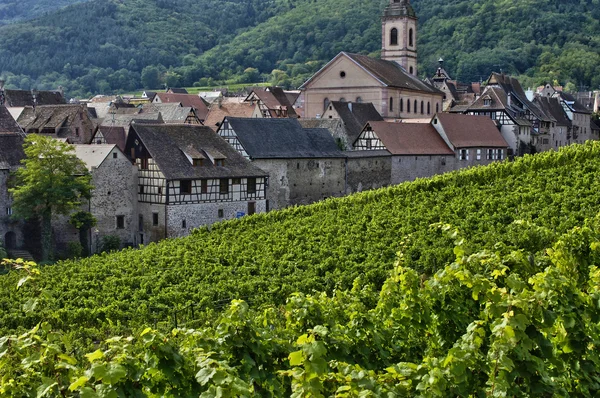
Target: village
<point x="165" y="163"/>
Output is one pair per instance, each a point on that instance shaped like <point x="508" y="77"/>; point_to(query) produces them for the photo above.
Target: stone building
<point x="390" y="83"/>
<point x="69" y="122"/>
<point x="188" y="177"/>
<point x="11" y="154"/>
<point x="114" y="198"/>
<point x="416" y="149"/>
<point x="304" y="165"/>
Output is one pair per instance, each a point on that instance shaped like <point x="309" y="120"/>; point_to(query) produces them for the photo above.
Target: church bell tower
<point x="399" y="35"/>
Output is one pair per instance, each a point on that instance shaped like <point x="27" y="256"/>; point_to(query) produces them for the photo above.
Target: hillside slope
<point x="504" y="303"/>
<point x="321" y="247"/>
<point x="105" y="45"/>
<point x="12" y="11"/>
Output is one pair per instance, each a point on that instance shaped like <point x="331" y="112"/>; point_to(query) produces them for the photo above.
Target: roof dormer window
<point x="487" y="101"/>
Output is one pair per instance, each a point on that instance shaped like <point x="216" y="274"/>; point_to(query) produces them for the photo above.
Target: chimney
<point x="597" y="102"/>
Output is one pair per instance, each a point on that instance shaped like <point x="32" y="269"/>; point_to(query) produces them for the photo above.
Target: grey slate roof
<point x="167" y="144"/>
<point x="8" y="125"/>
<point x="283" y="138"/>
<point x="23" y="98"/>
<point x="575" y="105"/>
<point x="553" y="107"/>
<point x="11" y="141"/>
<point x="355" y="116"/>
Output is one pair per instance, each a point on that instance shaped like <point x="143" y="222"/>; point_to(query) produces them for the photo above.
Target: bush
<point x="110" y="243"/>
<point x="74" y="250"/>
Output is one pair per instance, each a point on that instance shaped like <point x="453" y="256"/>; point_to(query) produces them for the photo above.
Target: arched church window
<point x="342" y="99"/>
<point x="326" y="103"/>
<point x="411" y="70"/>
<point x="408" y="105"/>
<point x="359" y="100"/>
<point x="415" y="108"/>
<point x="429" y="108"/>
<point x="422" y="107"/>
<point x="410" y="38"/>
<point x="401" y="105"/>
<point x="394" y="37"/>
<point x="437" y="108"/>
<point x="391" y="104"/>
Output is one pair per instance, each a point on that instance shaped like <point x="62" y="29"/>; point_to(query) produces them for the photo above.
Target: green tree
<point x="151" y="77"/>
<point x="52" y="181"/>
<point x="83" y="221"/>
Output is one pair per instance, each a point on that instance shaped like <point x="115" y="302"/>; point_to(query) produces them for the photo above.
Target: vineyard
<point x="476" y="283"/>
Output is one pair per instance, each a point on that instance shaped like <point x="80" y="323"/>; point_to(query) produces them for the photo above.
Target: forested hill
<point x="110" y="45"/>
<point x="13" y="10"/>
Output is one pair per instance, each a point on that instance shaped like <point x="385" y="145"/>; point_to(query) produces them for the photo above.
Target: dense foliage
<point x="52" y="181"/>
<point x="495" y="323"/>
<point x="110" y="45"/>
<point x="264" y="258"/>
<point x="13" y="10"/>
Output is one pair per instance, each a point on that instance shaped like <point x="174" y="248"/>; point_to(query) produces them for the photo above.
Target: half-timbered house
<point x="304" y="165"/>
<point x="188" y="177"/>
<point x="354" y="116"/>
<point x="186" y="100"/>
<point x="504" y="101"/>
<point x="449" y="142"/>
<point x="270" y="102"/>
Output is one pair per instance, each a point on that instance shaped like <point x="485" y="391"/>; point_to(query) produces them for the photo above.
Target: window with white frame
<point x="479" y="154"/>
<point x="464" y="154"/>
<point x="500" y="155"/>
<point x="491" y="154"/>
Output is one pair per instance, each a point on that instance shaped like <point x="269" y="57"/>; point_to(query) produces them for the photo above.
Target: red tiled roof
<point x="410" y="138"/>
<point x="233" y="107"/>
<point x="467" y="131"/>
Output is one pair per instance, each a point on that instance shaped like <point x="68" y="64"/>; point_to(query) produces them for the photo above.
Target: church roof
<point x="391" y="73"/>
<point x="388" y="73"/>
<point x="399" y="8"/>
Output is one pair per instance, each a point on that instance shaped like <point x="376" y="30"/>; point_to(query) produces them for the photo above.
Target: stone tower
<point x="399" y="35"/>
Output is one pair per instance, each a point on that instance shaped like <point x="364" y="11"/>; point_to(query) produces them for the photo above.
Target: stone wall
<point x="115" y="194"/>
<point x="364" y="173"/>
<point x="303" y="181"/>
<point x="198" y="215"/>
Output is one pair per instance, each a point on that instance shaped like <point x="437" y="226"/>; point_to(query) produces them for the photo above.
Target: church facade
<point x="390" y="83"/>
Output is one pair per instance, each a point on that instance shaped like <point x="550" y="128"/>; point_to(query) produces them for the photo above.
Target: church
<point x="390" y="83"/>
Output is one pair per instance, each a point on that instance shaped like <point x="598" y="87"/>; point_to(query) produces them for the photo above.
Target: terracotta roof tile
<point x="410" y="138"/>
<point x="467" y="131"/>
<point x="234" y="107"/>
<point x="190" y="100"/>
